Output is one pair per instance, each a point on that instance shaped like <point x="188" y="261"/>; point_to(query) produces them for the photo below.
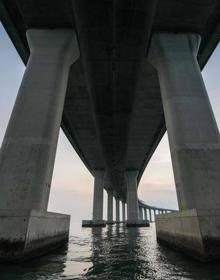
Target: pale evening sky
<point x="72" y="185"/>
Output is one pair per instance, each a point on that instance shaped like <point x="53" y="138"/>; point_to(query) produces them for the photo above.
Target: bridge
<point x="148" y="212"/>
<point x="115" y="75"/>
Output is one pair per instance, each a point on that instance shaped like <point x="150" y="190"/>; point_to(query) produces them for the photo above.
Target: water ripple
<point x="115" y="252"/>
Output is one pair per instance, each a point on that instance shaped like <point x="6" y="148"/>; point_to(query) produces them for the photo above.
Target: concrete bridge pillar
<point x="110" y="207"/>
<point x="117" y="205"/>
<point x="97" y="213"/>
<point x="132" y="200"/>
<point x="154" y="215"/>
<point x="150" y="215"/>
<point x="123" y="211"/>
<point x="98" y="197"/>
<point x="145" y="214"/>
<point x="194" y="143"/>
<point x="29" y="147"/>
<point x="141" y="217"/>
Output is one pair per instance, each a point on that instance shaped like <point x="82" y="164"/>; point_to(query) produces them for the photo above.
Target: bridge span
<point x="115" y="75"/>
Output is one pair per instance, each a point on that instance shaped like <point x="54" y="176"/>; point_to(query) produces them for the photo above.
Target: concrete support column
<point x="150" y="215"/>
<point x="132" y="201"/>
<point x="192" y="130"/>
<point x="132" y="198"/>
<point x="117" y="205"/>
<point x="145" y="214"/>
<point x="194" y="144"/>
<point x="29" y="146"/>
<point x="98" y="197"/>
<point x="28" y="150"/>
<point x="110" y="207"/>
<point x="123" y="211"/>
<point x="141" y="217"/>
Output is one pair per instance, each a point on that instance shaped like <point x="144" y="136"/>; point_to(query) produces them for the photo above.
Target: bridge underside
<point x="113" y="114"/>
<point x="111" y="73"/>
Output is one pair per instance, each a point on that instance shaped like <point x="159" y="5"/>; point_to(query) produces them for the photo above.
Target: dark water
<point x="112" y="253"/>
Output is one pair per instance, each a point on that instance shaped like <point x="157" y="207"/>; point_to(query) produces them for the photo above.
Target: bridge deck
<point x="113" y="114"/>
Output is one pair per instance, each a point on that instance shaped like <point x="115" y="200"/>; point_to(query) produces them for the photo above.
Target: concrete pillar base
<point x="137" y="223"/>
<point x="91" y="223"/>
<point x="194" y="232"/>
<point x="25" y="234"/>
<point x="110" y="223"/>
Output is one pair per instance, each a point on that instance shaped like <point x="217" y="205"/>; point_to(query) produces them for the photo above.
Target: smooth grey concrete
<point x="130" y="104"/>
<point x="117" y="208"/>
<point x="145" y="214"/>
<point x="28" y="150"/>
<point x="193" y="138"/>
<point x="113" y="92"/>
<point x="141" y="216"/>
<point x="192" y="130"/>
<point x="150" y="215"/>
<point x="30" y="233"/>
<point x="132" y="201"/>
<point x="91" y="223"/>
<point x="98" y="196"/>
<point x="97" y="214"/>
<point x="194" y="232"/>
<point x="29" y="146"/>
<point x="123" y="211"/>
<point x="110" y="207"/>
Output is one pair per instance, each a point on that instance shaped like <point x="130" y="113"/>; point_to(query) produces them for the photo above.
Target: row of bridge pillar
<point x="147" y="213"/>
<point x="133" y="218"/>
<point x="28" y="150"/>
<point x="137" y="213"/>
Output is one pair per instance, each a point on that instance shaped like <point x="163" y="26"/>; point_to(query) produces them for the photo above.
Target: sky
<point x="72" y="184"/>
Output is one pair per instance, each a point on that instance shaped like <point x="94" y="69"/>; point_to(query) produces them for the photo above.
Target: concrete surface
<point x="114" y="94"/>
<point x="123" y="211"/>
<point x="29" y="146"/>
<point x="192" y="129"/>
<point x="28" y="150"/>
<point x="117" y="210"/>
<point x="141" y="215"/>
<point x="110" y="207"/>
<point x="194" y="232"/>
<point x="137" y="223"/>
<point x="112" y="88"/>
<point x="92" y="223"/>
<point x="98" y="196"/>
<point x="26" y="234"/>
<point x="132" y="198"/>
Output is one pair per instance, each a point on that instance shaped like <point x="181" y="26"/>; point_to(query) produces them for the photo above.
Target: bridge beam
<point x="132" y="201"/>
<point x="29" y="147"/>
<point x="195" y="147"/>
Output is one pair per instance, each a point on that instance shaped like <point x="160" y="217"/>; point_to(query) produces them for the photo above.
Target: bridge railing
<point x="149" y="212"/>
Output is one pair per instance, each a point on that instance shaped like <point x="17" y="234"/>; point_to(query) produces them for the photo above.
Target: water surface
<point x="114" y="252"/>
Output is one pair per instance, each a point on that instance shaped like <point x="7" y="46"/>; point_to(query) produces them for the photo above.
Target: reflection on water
<point x="114" y="252"/>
